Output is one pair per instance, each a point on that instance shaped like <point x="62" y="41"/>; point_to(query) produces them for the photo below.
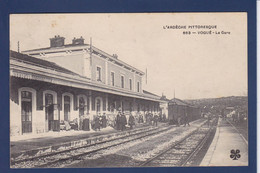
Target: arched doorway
<point x="26" y="106"/>
<point x="67" y="101"/>
<point x="49" y="110"/>
<point x="27" y="102"/>
<point x="83" y="111"/>
<point x="66" y="108"/>
<point x="52" y="116"/>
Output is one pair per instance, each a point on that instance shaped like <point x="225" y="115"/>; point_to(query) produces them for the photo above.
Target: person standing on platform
<point x="104" y="120"/>
<point x="81" y="122"/>
<point x="155" y="119"/>
<point x="140" y="119"/>
<point x="164" y="118"/>
<point x="131" y="121"/>
<point x="123" y="121"/>
<point x="152" y="119"/>
<point x="76" y="124"/>
<point x="146" y="116"/>
<point x="100" y="120"/>
<point x="97" y="124"/>
<point x="186" y="120"/>
<point x="118" y="117"/>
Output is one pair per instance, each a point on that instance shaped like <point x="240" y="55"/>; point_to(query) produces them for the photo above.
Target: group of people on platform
<point x="120" y="122"/>
<point x="151" y="119"/>
<point x="99" y="122"/>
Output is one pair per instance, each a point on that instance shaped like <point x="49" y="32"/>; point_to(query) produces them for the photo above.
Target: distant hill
<point x="217" y="104"/>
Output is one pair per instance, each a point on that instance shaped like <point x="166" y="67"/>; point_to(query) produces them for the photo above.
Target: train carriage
<point x="178" y="109"/>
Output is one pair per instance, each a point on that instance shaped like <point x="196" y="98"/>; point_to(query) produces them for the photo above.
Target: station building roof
<point x="28" y="67"/>
<point x="176" y="101"/>
<point x="38" y="62"/>
<point x="79" y="47"/>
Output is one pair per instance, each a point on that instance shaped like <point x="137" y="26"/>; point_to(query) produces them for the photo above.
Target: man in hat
<point x="118" y="124"/>
<point x="131" y="121"/>
<point x="123" y="121"/>
<point x="104" y="120"/>
<point x="155" y="119"/>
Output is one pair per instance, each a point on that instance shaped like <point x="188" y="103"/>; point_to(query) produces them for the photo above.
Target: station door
<point x="26" y="104"/>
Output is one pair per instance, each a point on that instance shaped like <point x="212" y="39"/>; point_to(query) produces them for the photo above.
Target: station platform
<point x="227" y="138"/>
<point x="45" y="141"/>
<point x="30" y="141"/>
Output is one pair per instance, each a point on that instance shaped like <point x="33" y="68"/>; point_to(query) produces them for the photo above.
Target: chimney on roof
<point x="57" y="41"/>
<point x="115" y="56"/>
<point x="163" y="97"/>
<point x="78" y="41"/>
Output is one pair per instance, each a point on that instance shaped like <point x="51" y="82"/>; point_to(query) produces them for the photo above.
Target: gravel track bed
<point x="173" y="157"/>
<point x="126" y="150"/>
<point x="158" y="143"/>
<point x="48" y="152"/>
<point x="43" y="162"/>
<point x="132" y="152"/>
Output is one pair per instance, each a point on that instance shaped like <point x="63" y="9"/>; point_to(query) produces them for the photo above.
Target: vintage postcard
<point x="99" y="90"/>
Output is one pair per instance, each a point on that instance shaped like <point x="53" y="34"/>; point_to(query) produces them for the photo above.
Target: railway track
<point x="88" y="142"/>
<point x="49" y="159"/>
<point x="67" y="156"/>
<point x="182" y="152"/>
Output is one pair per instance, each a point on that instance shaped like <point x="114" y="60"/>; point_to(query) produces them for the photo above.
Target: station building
<point x="72" y="82"/>
<point x="164" y="105"/>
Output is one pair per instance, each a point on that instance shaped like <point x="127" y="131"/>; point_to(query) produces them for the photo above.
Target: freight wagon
<point x="178" y="108"/>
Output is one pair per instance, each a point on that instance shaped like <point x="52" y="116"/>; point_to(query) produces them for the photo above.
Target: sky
<point x="192" y="66"/>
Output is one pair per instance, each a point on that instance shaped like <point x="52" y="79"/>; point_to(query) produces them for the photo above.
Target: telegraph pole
<point x="18" y="47"/>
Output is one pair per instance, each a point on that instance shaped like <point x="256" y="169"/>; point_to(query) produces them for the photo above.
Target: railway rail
<point x="66" y="156"/>
<point x="86" y="142"/>
<point x="182" y="152"/>
<point x="46" y="160"/>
